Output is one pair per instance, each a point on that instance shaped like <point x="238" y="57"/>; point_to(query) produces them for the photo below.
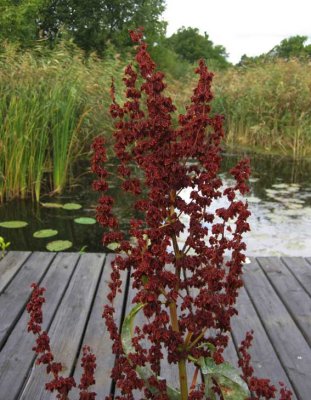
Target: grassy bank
<point x="53" y="104"/>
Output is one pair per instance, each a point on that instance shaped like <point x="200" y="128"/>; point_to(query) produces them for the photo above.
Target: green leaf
<point x="232" y="386"/>
<point x="144" y="372"/>
<point x="13" y="224"/>
<point x="59" y="245"/>
<point x="51" y="205"/>
<point x="231" y="390"/>
<point x="72" y="206"/>
<point x="45" y="233"/>
<point x="82" y="250"/>
<point x="85" y="221"/>
<point x="113" y="246"/>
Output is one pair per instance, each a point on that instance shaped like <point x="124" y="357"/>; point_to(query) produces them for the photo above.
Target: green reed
<point x="52" y="103"/>
<point x="50" y="106"/>
<point x="267" y="106"/>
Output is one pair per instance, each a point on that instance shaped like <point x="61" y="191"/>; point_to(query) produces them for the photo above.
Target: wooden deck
<point x="276" y="303"/>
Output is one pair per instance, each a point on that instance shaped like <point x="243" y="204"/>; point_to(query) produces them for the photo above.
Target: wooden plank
<point x="97" y="336"/>
<point x="10" y="265"/>
<point x="17" y="356"/>
<point x="288" y="342"/>
<point x="297" y="301"/>
<point x="301" y="269"/>
<point x="69" y="323"/>
<point x="230" y="354"/>
<point x="15" y="297"/>
<point x="264" y="360"/>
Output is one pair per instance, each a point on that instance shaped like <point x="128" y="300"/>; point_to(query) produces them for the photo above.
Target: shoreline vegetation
<point x="54" y="102"/>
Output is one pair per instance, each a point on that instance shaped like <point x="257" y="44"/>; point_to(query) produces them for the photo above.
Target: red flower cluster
<point x="261" y="388"/>
<point x="201" y="287"/>
<point x="59" y="384"/>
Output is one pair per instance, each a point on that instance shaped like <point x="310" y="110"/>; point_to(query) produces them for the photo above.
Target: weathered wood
<point x="10" y="265"/>
<point x="263" y="357"/>
<point x="276" y="304"/>
<point x="297" y="301"/>
<point x="97" y="336"/>
<point x="230" y="355"/>
<point x="17" y="356"/>
<point x="15" y="297"/>
<point x="301" y="269"/>
<point x="69" y="323"/>
<point x="288" y="342"/>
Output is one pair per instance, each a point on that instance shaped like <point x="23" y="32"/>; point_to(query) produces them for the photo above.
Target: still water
<point x="280" y="202"/>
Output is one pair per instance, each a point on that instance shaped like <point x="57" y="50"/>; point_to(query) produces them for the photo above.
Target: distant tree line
<point x="96" y="25"/>
<point x="292" y="47"/>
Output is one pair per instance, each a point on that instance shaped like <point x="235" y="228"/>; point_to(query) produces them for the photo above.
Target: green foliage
<point x="51" y="104"/>
<point x="228" y="379"/>
<point x="18" y="21"/>
<point x="267" y="106"/>
<point x="190" y="45"/>
<point x="92" y="25"/>
<point x="3" y="246"/>
<point x="293" y="46"/>
<point x="168" y="60"/>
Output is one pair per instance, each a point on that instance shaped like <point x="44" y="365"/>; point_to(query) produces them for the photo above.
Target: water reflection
<point x="280" y="201"/>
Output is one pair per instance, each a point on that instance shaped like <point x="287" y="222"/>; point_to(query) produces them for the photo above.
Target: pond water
<point x="280" y="202"/>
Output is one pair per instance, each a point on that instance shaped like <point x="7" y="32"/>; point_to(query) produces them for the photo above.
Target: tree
<point x="293" y="46"/>
<point x="19" y="20"/>
<point x="190" y="45"/>
<point x="95" y="23"/>
<point x="91" y="24"/>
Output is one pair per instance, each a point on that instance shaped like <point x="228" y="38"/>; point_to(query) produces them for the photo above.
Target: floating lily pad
<point x="59" y="245"/>
<point x="72" y="206"/>
<point x="85" y="220"/>
<point x="45" y="233"/>
<point x="13" y="224"/>
<point x="52" y="205"/>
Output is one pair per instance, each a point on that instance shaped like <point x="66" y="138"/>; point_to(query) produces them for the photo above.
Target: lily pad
<point x="85" y="220"/>
<point x="13" y="224"/>
<point x="45" y="233"/>
<point x="59" y="245"/>
<point x="51" y="205"/>
<point x="72" y="206"/>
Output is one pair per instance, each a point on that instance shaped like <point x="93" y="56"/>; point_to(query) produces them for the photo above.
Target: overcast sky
<point x="249" y="27"/>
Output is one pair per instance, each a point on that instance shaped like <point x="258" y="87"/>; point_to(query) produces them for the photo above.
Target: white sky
<point x="249" y="27"/>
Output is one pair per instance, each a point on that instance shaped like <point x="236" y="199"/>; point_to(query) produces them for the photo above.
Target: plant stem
<point x="173" y="309"/>
<point x="181" y="363"/>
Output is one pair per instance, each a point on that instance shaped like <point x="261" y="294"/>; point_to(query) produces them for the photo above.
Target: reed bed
<point x="267" y="107"/>
<point x="51" y="106"/>
<point x="53" y="103"/>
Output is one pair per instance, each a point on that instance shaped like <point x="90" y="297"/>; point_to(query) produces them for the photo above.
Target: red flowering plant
<point x="184" y="255"/>
<point x="186" y="291"/>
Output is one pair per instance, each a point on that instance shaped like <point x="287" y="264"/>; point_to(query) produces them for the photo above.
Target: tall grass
<point x="50" y="106"/>
<point x="267" y="106"/>
<point x="53" y="103"/>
